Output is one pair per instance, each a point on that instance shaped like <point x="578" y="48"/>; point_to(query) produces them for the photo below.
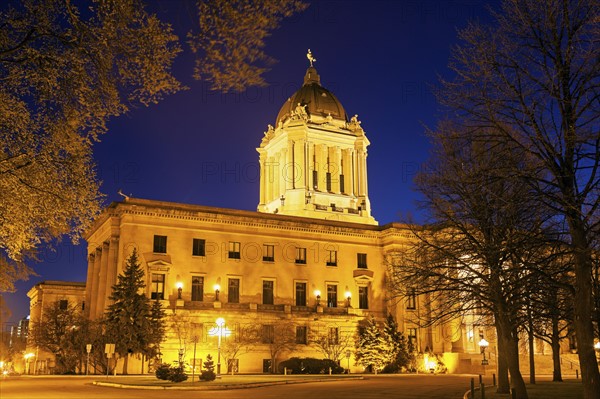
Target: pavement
<point x="224" y="382"/>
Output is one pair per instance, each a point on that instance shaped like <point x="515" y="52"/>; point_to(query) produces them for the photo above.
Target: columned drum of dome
<point x="313" y="162"/>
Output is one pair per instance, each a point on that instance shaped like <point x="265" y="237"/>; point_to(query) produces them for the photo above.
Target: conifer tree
<point x="398" y="354"/>
<point x="372" y="349"/>
<point x="129" y="319"/>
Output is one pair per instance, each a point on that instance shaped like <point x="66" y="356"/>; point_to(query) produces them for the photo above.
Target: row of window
<point x="234" y="252"/>
<point x="157" y="291"/>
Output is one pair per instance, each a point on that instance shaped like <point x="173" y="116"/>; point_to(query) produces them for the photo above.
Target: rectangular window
<point x="63" y="304"/>
<point x="160" y="244"/>
<point x="328" y="181"/>
<point x="315" y="179"/>
<point x="233" y="290"/>
<point x="412" y="337"/>
<point x="301" y="335"/>
<point x="267" y="292"/>
<point x="197" y="288"/>
<point x="268" y="334"/>
<point x="331" y="258"/>
<point x="301" y="256"/>
<point x="411" y="300"/>
<point x="361" y="261"/>
<point x="363" y="297"/>
<point x="334" y="336"/>
<point x="234" y="250"/>
<point x="268" y="253"/>
<point x="342" y="188"/>
<point x="233" y="366"/>
<point x="332" y="297"/>
<point x="300" y="294"/>
<point x="199" y="247"/>
<point x="158" y="286"/>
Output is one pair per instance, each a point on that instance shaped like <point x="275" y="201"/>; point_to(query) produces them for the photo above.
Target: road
<point x="372" y="387"/>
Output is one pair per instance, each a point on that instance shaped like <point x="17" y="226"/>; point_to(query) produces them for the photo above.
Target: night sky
<point x="378" y="57"/>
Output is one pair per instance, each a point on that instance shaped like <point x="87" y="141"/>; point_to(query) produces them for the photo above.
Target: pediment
<point x="161" y="262"/>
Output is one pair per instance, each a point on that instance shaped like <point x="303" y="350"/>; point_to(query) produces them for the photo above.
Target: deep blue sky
<point x="199" y="147"/>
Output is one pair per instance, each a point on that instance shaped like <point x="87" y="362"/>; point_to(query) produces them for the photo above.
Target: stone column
<point x="111" y="269"/>
<point x="102" y="279"/>
<point x="263" y="179"/>
<point x="89" y="283"/>
<point x="94" y="283"/>
<point x="300" y="166"/>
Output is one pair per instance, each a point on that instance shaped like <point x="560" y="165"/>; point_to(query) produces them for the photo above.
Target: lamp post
<point x="483" y="344"/>
<point x="217" y="288"/>
<point x="318" y="296"/>
<point x="348" y="358"/>
<point x="220" y="330"/>
<point x="179" y="286"/>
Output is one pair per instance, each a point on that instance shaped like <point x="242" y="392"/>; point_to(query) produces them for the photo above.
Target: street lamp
<point x="220" y="330"/>
<point x="318" y="295"/>
<point x="217" y="288"/>
<point x="179" y="286"/>
<point x="483" y="344"/>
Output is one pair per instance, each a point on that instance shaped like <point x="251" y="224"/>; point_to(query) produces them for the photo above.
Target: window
<point x="197" y="288"/>
<point x="234" y="250"/>
<point x="158" y="286"/>
<point x="233" y="290"/>
<point x="331" y="258"/>
<point x="411" y="300"/>
<point x="332" y="296"/>
<point x="301" y="256"/>
<point x="361" y="261"/>
<point x="412" y="337"/>
<point x="160" y="244"/>
<point x="268" y="334"/>
<point x="233" y="366"/>
<point x="267" y="292"/>
<point x="268" y="253"/>
<point x="328" y="181"/>
<point x="301" y="335"/>
<point x="315" y="179"/>
<point x="334" y="336"/>
<point x="199" y="247"/>
<point x="83" y="305"/>
<point x="342" y="188"/>
<point x="363" y="297"/>
<point x="63" y="304"/>
<point x="300" y="294"/>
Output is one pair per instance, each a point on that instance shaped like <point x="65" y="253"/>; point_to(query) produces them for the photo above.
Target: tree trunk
<point x="503" y="382"/>
<point x="125" y="362"/>
<point x="531" y="343"/>
<point x="510" y="343"/>
<point x="582" y="309"/>
<point x="555" y="343"/>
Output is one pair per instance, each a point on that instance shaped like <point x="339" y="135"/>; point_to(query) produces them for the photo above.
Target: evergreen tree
<point x="157" y="330"/>
<point x="398" y="354"/>
<point x="372" y="349"/>
<point x="129" y="319"/>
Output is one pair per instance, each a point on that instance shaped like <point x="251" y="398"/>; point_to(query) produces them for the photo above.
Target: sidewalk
<point x="225" y="382"/>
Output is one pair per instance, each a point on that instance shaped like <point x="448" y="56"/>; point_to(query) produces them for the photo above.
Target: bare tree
<point x="332" y="341"/>
<point x="278" y="338"/>
<point x="534" y="76"/>
<point x="475" y="255"/>
<point x="243" y="339"/>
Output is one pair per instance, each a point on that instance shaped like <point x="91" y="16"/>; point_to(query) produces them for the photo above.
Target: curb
<point x="221" y="387"/>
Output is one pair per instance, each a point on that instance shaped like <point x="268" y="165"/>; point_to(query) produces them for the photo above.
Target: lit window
<point x="234" y="250"/>
<point x="331" y="258"/>
<point x="197" y="288"/>
<point x="301" y="256"/>
<point x="157" y="286"/>
<point x="332" y="296"/>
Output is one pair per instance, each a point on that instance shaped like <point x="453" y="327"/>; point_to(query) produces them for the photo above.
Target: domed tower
<point x="314" y="162"/>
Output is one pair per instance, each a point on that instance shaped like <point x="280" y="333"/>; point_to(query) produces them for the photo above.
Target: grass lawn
<point x="569" y="389"/>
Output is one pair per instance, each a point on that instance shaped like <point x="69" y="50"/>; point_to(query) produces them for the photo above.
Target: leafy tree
<point x="533" y="76"/>
<point x="129" y="319"/>
<point x="372" y="350"/>
<point x="67" y="68"/>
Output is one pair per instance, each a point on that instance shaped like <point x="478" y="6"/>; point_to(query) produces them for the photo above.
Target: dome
<point x="317" y="99"/>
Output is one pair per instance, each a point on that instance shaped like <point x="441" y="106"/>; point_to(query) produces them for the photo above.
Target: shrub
<point x="177" y="374"/>
<point x="310" y="365"/>
<point x="163" y="371"/>
<point x="208" y="375"/>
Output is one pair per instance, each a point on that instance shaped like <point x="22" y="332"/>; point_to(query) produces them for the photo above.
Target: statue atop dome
<point x="310" y="57"/>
